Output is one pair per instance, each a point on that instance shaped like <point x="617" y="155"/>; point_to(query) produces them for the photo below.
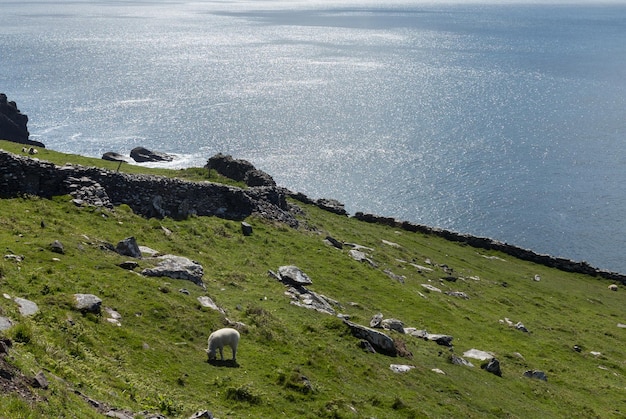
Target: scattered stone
<point x="449" y="278"/>
<point x="361" y="257"/>
<point x="202" y="414"/>
<point x="422" y="334"/>
<point x="128" y="247"/>
<point x="113" y="316"/>
<point x="392" y="244"/>
<point x="392" y="324"/>
<point x="15" y="258"/>
<point x="292" y="275"/>
<point x="206" y="301"/>
<point x="399" y="278"/>
<point x="120" y="414"/>
<point x="380" y="341"/>
<point x="145" y="250"/>
<point x="331" y="205"/>
<point x="303" y="297"/>
<point x="621" y="325"/>
<point x="421" y="268"/>
<point x="431" y="288"/>
<point x="5" y="323"/>
<point x="537" y="278"/>
<point x="57" y="247"/>
<point x="457" y="360"/>
<point x="478" y="354"/>
<point x="443" y="340"/>
<point x="177" y="267"/>
<point x="458" y="294"/>
<point x="129" y="265"/>
<point x="26" y="307"/>
<point x="376" y="319"/>
<point x="492" y="366"/>
<point x="246" y="229"/>
<point x="520" y="326"/>
<point x="334" y="242"/>
<point x="398" y="368"/>
<point x="613" y="287"/>
<point x="40" y="381"/>
<point x="438" y="371"/>
<point x="184" y="291"/>
<point x="577" y="348"/>
<point x="539" y="375"/>
<point x="87" y="303"/>
<point x="595" y="353"/>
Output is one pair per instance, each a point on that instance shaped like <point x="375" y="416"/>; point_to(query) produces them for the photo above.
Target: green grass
<point x="156" y="360"/>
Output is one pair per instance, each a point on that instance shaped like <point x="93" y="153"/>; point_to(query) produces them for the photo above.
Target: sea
<point x="504" y="120"/>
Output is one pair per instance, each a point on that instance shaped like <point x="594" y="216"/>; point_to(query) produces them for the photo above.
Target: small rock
<point x="400" y="368"/>
<point x="40" y="381"/>
<point x="431" y="288"/>
<point x="87" y="303"/>
<point x="26" y="307"/>
<point x="202" y="414"/>
<point x="207" y="302"/>
<point x="458" y="294"/>
<point x="334" y="242"/>
<point x="443" y="340"/>
<point x="184" y="291"/>
<point x="537" y="278"/>
<point x="361" y="257"/>
<point x="393" y="324"/>
<point x="438" y="371"/>
<point x="246" y="229"/>
<point x="613" y="287"/>
<point x="492" y="366"/>
<point x="57" y="247"/>
<point x="376" y="319"/>
<point x="478" y="354"/>
<point x="539" y="375"/>
<point x="5" y="323"/>
<point x="128" y="247"/>
<point x="129" y="265"/>
<point x="457" y="360"/>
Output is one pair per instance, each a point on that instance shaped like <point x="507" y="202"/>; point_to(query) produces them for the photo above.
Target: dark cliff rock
<point x="239" y="170"/>
<point x="149" y="196"/>
<point x="143" y="155"/>
<point x="13" y="123"/>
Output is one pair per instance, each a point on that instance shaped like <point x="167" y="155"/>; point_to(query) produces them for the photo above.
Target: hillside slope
<point x="293" y="361"/>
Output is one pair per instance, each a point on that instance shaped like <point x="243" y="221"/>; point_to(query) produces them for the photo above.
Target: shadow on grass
<point x="227" y="363"/>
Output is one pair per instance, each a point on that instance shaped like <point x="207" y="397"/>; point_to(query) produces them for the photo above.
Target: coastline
<point x="26" y="175"/>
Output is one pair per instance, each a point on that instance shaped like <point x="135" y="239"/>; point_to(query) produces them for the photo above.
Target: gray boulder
<point x="380" y="341"/>
<point x="292" y="275"/>
<point x="206" y="301"/>
<point x="87" y="303"/>
<point x="26" y="307"/>
<point x="116" y="157"/>
<point x="5" y="323"/>
<point x="128" y="247"/>
<point x="239" y="170"/>
<point x="177" y="267"/>
<point x="202" y="414"/>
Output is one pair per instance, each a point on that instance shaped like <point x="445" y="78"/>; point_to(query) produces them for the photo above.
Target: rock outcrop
<point x="13" y="123"/>
<point x="239" y="170"/>
<point x="143" y="155"/>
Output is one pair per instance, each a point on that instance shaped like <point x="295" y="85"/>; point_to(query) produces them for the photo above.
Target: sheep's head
<point x="211" y="354"/>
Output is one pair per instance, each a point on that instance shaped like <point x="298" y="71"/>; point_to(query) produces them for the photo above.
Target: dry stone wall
<point x="150" y="196"/>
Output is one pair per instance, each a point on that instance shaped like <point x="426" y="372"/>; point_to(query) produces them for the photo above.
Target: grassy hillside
<point x="294" y="362"/>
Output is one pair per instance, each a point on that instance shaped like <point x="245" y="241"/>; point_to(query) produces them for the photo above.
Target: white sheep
<point x="221" y="338"/>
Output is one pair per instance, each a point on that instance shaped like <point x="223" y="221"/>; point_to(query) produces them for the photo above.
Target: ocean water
<point x="499" y="120"/>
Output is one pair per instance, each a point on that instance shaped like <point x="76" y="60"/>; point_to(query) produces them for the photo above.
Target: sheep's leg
<point x="234" y="348"/>
<point x="221" y="353"/>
